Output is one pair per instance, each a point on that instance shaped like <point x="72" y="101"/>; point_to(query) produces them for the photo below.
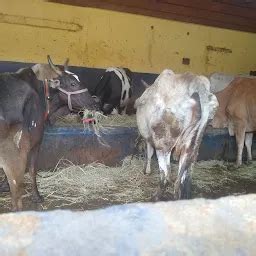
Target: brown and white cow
<point x="237" y="112"/>
<point x="172" y="115"/>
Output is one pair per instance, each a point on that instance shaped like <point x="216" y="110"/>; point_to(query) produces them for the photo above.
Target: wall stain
<point x="207" y="60"/>
<point x="218" y="49"/>
<point x="150" y="46"/>
<point x="211" y="59"/>
<point x="40" y="23"/>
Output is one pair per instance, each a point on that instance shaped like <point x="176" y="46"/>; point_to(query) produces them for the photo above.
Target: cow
<point x="114" y="90"/>
<point x="237" y="112"/>
<point x="51" y="71"/>
<point x="172" y="115"/>
<point x="25" y="103"/>
<point x="220" y="81"/>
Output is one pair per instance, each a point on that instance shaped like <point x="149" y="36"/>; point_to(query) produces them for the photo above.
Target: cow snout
<point x="107" y="109"/>
<point x="87" y="101"/>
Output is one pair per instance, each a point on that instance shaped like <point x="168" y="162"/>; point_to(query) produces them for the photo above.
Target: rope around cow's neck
<point x="69" y="95"/>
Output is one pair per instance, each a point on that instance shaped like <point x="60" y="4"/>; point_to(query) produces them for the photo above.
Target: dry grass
<point x="101" y="120"/>
<point x="102" y="125"/>
<point x="96" y="185"/>
<point x="217" y="178"/>
<point x="94" y="182"/>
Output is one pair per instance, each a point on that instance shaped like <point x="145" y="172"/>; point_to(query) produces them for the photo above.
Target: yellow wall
<point x="31" y="29"/>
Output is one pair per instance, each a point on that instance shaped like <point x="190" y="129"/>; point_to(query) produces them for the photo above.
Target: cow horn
<point x="66" y="64"/>
<point x="146" y="85"/>
<point x="53" y="67"/>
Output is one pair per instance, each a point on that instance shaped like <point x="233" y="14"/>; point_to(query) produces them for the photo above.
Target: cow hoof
<point x="238" y="164"/>
<point x="146" y="172"/>
<point x="4" y="187"/>
<point x="37" y="198"/>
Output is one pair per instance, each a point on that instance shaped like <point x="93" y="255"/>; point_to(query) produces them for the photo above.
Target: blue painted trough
<point x="81" y="146"/>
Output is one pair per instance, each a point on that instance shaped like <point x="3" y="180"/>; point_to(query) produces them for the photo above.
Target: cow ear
<point x="53" y="67"/>
<point x="65" y="65"/>
<point x="54" y="83"/>
<point x="145" y="84"/>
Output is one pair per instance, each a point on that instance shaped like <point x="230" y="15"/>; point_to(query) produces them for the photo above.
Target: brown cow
<point x="237" y="112"/>
<point x="24" y="103"/>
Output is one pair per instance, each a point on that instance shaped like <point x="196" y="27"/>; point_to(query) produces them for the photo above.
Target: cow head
<point x="70" y="89"/>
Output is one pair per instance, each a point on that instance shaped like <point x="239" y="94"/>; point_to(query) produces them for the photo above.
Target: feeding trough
<point x="81" y="146"/>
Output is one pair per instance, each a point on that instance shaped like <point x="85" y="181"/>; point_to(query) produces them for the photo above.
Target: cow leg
<point x="164" y="167"/>
<point x="182" y="187"/>
<point x="248" y="144"/>
<point x="15" y="171"/>
<point x="240" y="138"/>
<point x="36" y="197"/>
<point x="4" y="186"/>
<point x="123" y="111"/>
<point x="16" y="188"/>
<point x="150" y="152"/>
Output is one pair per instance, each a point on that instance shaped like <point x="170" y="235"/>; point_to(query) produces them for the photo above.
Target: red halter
<point x="47" y="99"/>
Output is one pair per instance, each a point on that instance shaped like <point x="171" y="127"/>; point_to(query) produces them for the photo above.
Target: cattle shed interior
<point x="78" y="169"/>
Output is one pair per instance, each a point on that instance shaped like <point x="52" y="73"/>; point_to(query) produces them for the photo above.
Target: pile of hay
<point x="102" y="124"/>
<point x="69" y="120"/>
<point x="89" y="186"/>
<point x="101" y="120"/>
<point x="213" y="179"/>
<point x="96" y="185"/>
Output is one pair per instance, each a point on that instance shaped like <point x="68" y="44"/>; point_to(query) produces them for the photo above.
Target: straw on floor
<point x="96" y="185"/>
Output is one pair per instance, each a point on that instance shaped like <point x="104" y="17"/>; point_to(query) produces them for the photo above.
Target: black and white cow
<point x="114" y="90"/>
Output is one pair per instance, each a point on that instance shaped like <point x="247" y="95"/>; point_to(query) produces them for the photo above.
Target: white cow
<point x="172" y="115"/>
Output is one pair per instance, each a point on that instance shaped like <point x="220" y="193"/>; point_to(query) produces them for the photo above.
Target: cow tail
<point x="195" y="125"/>
<point x="202" y="121"/>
